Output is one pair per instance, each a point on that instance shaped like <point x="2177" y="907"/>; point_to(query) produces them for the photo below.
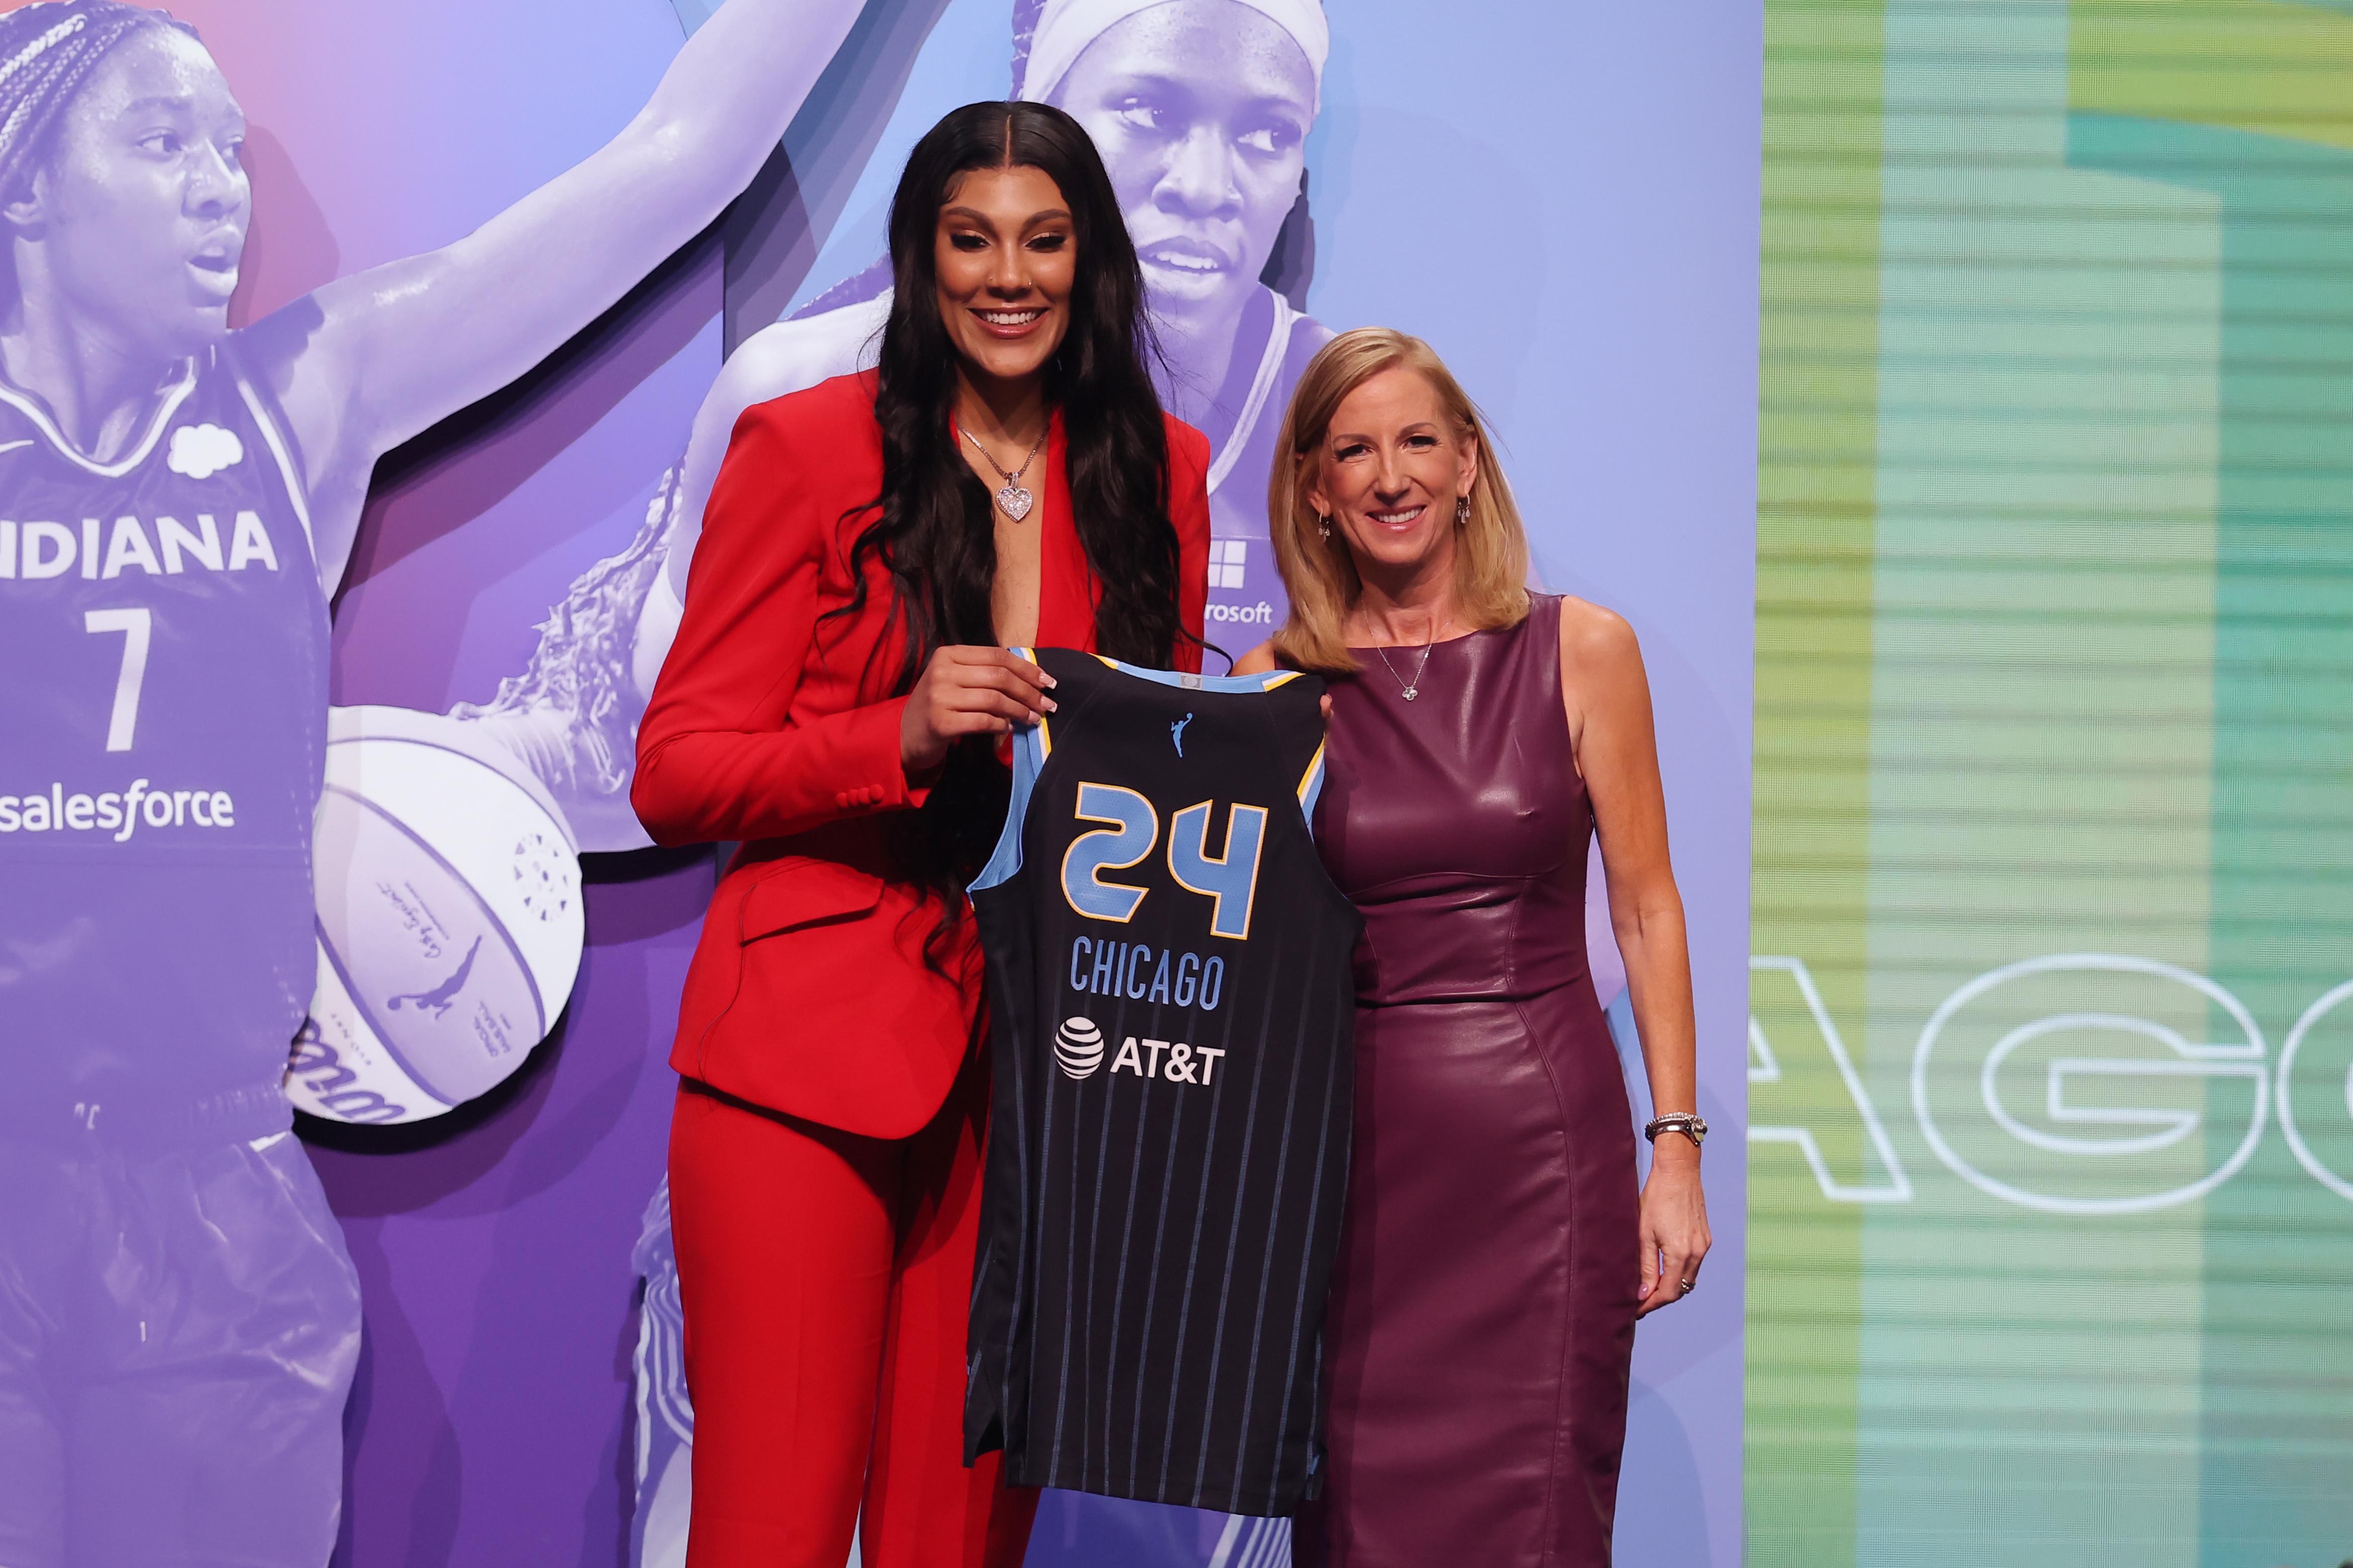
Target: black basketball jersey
<point x="1171" y="1007"/>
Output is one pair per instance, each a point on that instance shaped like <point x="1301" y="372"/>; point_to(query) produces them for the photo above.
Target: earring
<point x="1462" y="511"/>
<point x="1323" y="526"/>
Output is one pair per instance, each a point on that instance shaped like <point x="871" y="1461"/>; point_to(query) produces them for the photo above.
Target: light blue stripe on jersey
<point x="1312" y="790"/>
<point x="1028" y="762"/>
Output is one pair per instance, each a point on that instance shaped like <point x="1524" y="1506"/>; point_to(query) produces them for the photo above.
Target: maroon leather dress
<point x="1482" y="1318"/>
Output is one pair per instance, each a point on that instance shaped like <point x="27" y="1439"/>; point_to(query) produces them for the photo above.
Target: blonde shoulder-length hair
<point x="1491" y="552"/>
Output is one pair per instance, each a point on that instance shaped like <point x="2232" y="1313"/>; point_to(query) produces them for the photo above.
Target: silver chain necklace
<point x="1412" y="687"/>
<point x="1011" y="498"/>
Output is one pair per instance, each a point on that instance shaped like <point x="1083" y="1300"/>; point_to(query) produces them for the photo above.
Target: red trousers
<point x="827" y="1281"/>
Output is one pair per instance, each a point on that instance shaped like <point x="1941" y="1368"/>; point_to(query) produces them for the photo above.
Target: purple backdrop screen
<point x="1563" y="199"/>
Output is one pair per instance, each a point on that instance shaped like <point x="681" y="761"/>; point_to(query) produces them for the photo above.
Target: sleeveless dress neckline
<point x="1438" y="643"/>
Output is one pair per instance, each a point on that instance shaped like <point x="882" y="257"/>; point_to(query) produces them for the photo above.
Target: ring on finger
<point x="1688" y="1284"/>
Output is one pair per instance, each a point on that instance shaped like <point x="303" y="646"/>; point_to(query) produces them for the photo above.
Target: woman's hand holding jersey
<point x="969" y="691"/>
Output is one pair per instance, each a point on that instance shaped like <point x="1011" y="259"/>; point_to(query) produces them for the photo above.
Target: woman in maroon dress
<point x="1497" y="1252"/>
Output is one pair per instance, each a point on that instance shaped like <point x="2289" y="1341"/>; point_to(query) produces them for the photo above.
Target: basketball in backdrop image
<point x="449" y="920"/>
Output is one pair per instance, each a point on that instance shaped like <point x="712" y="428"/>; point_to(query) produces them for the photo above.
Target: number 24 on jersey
<point x="1131" y="831"/>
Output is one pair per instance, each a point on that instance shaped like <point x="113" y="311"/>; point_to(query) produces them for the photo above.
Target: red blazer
<point x="808" y="994"/>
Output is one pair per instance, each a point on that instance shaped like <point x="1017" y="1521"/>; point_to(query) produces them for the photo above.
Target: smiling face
<point x="1006" y="257"/>
<point x="1389" y="472"/>
<point x="1201" y="109"/>
<point x="141" y="209"/>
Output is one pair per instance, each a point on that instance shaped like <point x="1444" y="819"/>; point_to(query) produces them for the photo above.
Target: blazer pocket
<point x="799" y="891"/>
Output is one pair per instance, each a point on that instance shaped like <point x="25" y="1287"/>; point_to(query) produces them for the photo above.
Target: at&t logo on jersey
<point x="1079" y="1052"/>
<point x="1079" y="1047"/>
<point x="1169" y="1061"/>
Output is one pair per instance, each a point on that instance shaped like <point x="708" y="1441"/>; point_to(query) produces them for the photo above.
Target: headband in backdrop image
<point x="1065" y="28"/>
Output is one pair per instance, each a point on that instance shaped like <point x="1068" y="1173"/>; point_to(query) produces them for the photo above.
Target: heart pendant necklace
<point x="1011" y="499"/>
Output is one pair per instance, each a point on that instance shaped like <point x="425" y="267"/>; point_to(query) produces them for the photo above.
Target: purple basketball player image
<point x="179" y="1321"/>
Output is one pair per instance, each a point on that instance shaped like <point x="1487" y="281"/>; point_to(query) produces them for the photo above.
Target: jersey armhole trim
<point x="1269" y="368"/>
<point x="1311" y="787"/>
<point x="284" y="453"/>
<point x="1030" y="748"/>
<point x="1044" y="732"/>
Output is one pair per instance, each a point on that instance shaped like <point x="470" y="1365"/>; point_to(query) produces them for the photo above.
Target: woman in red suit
<point x="834" y="699"/>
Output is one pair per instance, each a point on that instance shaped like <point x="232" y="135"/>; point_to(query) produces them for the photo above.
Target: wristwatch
<point x="1682" y="1122"/>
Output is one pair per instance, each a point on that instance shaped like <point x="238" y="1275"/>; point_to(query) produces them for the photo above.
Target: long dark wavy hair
<point x="932" y="529"/>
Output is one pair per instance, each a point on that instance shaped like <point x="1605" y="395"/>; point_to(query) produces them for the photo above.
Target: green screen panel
<point x="2054" y="804"/>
